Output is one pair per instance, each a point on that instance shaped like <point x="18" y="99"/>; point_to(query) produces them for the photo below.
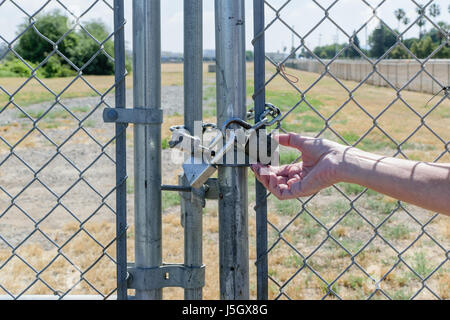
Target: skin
<point x="326" y="163"/>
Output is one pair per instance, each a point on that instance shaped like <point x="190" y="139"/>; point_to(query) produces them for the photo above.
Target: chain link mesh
<point x="348" y="242"/>
<point x="57" y="160"/>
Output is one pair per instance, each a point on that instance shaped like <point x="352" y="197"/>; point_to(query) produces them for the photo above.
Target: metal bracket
<point x="212" y="189"/>
<point x="169" y="275"/>
<point x="135" y="115"/>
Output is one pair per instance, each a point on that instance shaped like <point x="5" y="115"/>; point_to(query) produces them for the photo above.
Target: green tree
<point x="421" y="20"/>
<point x="381" y="40"/>
<point x="423" y="48"/>
<point x="399" y="15"/>
<point x="88" y="48"/>
<point x="249" y="55"/>
<point x="434" y="10"/>
<point x="34" y="47"/>
<point x="352" y="52"/>
<point x="78" y="46"/>
<point x="399" y="52"/>
<point x="3" y="49"/>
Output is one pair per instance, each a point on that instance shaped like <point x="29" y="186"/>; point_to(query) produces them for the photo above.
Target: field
<point x="58" y="221"/>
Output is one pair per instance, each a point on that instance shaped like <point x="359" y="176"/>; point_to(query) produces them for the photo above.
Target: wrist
<point x="350" y="165"/>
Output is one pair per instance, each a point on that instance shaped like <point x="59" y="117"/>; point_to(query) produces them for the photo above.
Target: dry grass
<point x="303" y="233"/>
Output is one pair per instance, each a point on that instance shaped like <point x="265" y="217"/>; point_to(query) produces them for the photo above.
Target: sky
<point x="301" y="15"/>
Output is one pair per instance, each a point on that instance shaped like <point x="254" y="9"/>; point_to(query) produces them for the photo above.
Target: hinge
<point x="135" y="115"/>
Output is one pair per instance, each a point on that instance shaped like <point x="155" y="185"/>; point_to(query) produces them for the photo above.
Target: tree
<point x="249" y="55"/>
<point x="381" y="40"/>
<point x="351" y="52"/>
<point x="88" y="48"/>
<point x="399" y="52"/>
<point x="406" y="21"/>
<point x="434" y="10"/>
<point x="421" y="20"/>
<point x="3" y="50"/>
<point x="423" y="48"/>
<point x="400" y="15"/>
<point x="77" y="46"/>
<point x="444" y="28"/>
<point x="33" y="47"/>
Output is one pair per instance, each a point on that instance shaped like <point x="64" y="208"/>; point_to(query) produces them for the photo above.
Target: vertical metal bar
<point x="147" y="151"/>
<point x="261" y="192"/>
<point x="233" y="198"/>
<point x="121" y="151"/>
<point x="193" y="100"/>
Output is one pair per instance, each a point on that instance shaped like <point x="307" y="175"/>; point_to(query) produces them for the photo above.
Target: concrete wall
<point x="402" y="74"/>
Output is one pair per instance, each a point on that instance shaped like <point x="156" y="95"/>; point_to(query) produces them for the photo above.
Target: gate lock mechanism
<point x="230" y="147"/>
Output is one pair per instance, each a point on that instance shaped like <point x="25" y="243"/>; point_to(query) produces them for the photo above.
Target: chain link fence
<point x="348" y="242"/>
<point x="57" y="157"/>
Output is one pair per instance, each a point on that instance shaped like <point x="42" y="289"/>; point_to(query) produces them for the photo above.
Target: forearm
<point x="423" y="184"/>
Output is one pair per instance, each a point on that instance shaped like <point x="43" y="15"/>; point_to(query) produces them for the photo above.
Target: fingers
<point x="279" y="181"/>
<point x="292" y="140"/>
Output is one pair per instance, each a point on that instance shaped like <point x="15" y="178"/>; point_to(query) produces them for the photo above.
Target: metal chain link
<point x="60" y="150"/>
<point x="279" y="286"/>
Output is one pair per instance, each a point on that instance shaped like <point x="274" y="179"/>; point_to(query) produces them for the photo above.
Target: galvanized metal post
<point x="147" y="151"/>
<point x="231" y="100"/>
<point x="193" y="100"/>
<point x="261" y="192"/>
<point x="121" y="151"/>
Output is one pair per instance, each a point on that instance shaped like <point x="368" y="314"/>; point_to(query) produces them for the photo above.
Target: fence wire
<point x="57" y="158"/>
<point x="348" y="242"/>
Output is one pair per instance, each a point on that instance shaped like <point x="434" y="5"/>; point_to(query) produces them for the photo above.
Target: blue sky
<point x="301" y="14"/>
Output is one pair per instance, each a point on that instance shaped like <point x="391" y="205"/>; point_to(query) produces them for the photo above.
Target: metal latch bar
<point x="135" y="115"/>
<point x="169" y="275"/>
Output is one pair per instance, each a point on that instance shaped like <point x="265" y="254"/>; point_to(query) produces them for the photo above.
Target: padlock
<point x="203" y="161"/>
<point x="199" y="169"/>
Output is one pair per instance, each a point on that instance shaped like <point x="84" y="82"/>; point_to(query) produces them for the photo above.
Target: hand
<point x="318" y="170"/>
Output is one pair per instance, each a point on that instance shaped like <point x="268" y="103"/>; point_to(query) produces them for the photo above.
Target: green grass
<point x="170" y="199"/>
<point x="337" y="207"/>
<point x="420" y="264"/>
<point x="398" y="232"/>
<point x="367" y="144"/>
<point x="288" y="157"/>
<point x="286" y="100"/>
<point x="354" y="189"/>
<point x="165" y="144"/>
<point x="130" y="186"/>
<point x="355" y="282"/>
<point x="54" y="113"/>
<point x="381" y="206"/>
<point x="294" y="260"/>
<point x="350" y="137"/>
<point x="81" y="109"/>
<point x="352" y="220"/>
<point x="401" y="295"/>
<point x="288" y="207"/>
<point x="89" y="124"/>
<point x="351" y="245"/>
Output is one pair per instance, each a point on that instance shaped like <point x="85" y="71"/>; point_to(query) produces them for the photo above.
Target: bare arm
<point x="325" y="163"/>
<point x="423" y="184"/>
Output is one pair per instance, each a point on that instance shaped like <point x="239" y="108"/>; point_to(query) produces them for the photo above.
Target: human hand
<point x="319" y="168"/>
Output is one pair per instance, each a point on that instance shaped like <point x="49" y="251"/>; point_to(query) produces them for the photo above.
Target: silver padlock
<point x="199" y="169"/>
